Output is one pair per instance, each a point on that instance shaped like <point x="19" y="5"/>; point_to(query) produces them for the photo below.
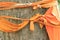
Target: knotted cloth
<point x="50" y="20"/>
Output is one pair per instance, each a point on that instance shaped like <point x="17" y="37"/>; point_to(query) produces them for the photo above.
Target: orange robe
<point x="52" y="25"/>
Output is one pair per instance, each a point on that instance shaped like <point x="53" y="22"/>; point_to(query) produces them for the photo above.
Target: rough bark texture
<point x="24" y="34"/>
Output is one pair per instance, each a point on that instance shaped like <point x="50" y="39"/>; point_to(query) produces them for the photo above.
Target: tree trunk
<point x="25" y="33"/>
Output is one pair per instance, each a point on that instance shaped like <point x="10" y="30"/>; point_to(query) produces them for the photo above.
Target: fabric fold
<point x="32" y="25"/>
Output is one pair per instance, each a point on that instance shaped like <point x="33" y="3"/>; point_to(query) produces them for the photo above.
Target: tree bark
<point x="25" y="33"/>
